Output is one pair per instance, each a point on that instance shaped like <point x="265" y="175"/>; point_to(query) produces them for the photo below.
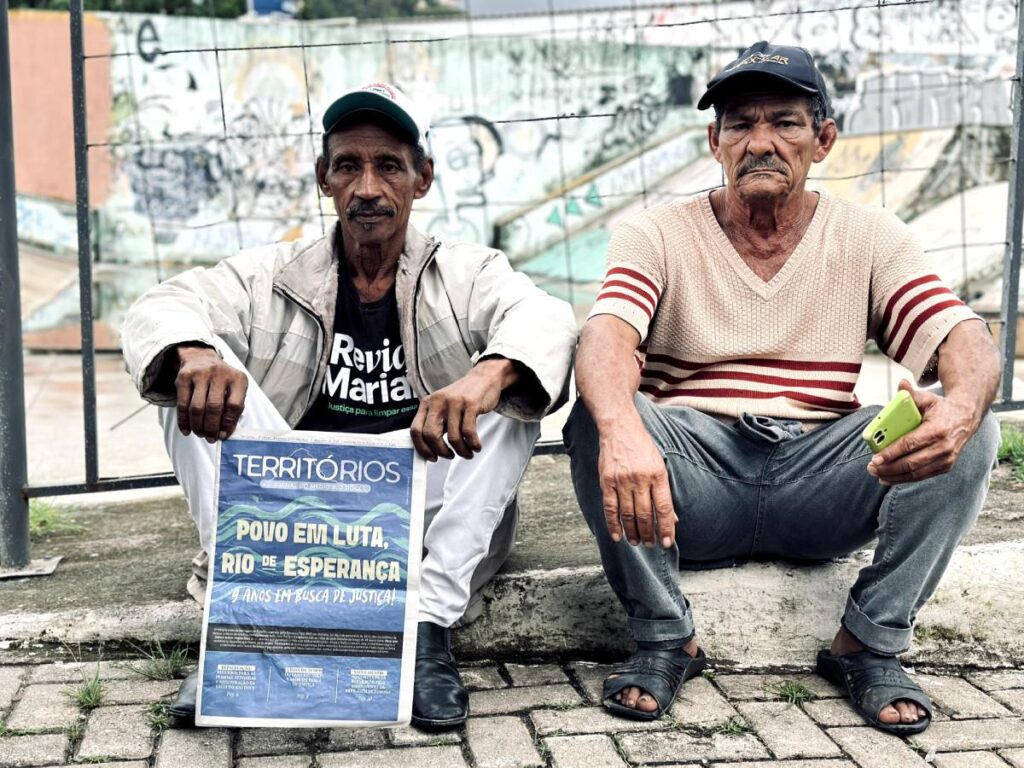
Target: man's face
<point x="372" y="178"/>
<point x="767" y="143"/>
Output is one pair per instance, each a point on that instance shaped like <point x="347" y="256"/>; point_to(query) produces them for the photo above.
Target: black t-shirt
<point x="366" y="388"/>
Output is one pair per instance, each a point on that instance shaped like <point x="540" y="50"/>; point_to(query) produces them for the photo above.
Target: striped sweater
<point x="716" y="337"/>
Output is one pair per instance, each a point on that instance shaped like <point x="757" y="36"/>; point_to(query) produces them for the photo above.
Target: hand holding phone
<point x="895" y="420"/>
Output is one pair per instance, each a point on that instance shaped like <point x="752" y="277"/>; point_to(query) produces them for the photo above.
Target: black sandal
<point x="873" y="682"/>
<point x="659" y="673"/>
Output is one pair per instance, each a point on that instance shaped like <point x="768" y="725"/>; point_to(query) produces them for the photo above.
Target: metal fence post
<point x="1014" y="220"/>
<point x="84" y="240"/>
<point x="13" y="462"/>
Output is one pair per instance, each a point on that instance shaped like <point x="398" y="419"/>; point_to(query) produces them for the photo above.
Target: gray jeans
<point x="761" y="489"/>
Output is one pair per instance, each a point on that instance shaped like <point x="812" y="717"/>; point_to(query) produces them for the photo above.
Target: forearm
<point x="969" y="367"/>
<point x="607" y="375"/>
<point x="497" y="371"/>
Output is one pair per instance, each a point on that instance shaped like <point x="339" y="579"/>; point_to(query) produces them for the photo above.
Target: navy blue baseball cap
<point x="788" y="66"/>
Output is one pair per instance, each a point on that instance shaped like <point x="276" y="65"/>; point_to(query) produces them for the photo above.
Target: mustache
<point x="764" y="163"/>
<point x="369" y="209"/>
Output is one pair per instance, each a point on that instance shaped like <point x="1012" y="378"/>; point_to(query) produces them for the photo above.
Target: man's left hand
<point x="932" y="448"/>
<point x="454" y="409"/>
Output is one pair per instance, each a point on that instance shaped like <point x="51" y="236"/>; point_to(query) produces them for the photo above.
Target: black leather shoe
<point x="439" y="700"/>
<point x="183" y="710"/>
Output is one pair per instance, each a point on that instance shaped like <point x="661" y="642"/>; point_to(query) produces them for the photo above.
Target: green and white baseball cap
<point x="385" y="99"/>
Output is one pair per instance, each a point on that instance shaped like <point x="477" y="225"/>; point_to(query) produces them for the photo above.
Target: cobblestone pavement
<point x="523" y="715"/>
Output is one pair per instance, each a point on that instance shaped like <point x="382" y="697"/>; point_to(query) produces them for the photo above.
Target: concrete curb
<point x="758" y="615"/>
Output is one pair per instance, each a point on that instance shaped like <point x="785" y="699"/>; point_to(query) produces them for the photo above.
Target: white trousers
<point x="471" y="513"/>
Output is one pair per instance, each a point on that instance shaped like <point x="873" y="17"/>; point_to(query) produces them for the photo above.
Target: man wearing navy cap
<point x="373" y="328"/>
<point x="739" y="435"/>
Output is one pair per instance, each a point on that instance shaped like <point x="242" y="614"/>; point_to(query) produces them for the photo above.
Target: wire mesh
<point x="548" y="128"/>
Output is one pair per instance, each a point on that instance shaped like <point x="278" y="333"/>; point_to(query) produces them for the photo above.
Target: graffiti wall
<point x="546" y="129"/>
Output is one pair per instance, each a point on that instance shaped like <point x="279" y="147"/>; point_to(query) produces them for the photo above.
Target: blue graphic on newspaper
<point x="309" y="604"/>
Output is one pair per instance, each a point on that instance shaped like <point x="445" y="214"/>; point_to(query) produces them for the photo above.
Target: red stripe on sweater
<point x="894" y="299"/>
<point x="781" y="381"/>
<point x="749" y="394"/>
<point x="924" y="295"/>
<point x="625" y="297"/>
<point x="792" y="365"/>
<point x="919" y="321"/>
<point x="638" y="291"/>
<point x="636" y="276"/>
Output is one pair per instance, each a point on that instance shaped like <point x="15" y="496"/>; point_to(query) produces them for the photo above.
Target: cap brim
<point x="366" y="101"/>
<point x="730" y="83"/>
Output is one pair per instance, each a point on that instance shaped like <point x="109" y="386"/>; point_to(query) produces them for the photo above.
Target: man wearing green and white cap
<point x="477" y="356"/>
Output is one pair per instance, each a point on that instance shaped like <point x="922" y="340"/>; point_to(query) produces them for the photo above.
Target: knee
<point x="978" y="456"/>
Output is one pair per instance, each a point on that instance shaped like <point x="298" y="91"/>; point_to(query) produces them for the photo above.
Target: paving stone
<point x="501" y="742"/>
<point x="11" y="679"/>
<point x="138" y="691"/>
<point x="663" y="746"/>
<point x="501" y="701"/>
<point x="482" y="678"/>
<point x="414" y="737"/>
<point x="75" y="672"/>
<point x="589" y="720"/>
<point x="959" y="699"/>
<point x="583" y="752"/>
<point x="416" y="757"/>
<point x="43" y="708"/>
<point x="968" y="760"/>
<point x="832" y="712"/>
<point x="199" y="748"/>
<point x="16" y="751"/>
<point x="256" y="742"/>
<point x="787" y="731"/>
<point x="591" y="678"/>
<point x="1012" y="697"/>
<point x="359" y="738"/>
<point x="963" y="735"/>
<point x="999" y="680"/>
<point x="700" y="704"/>
<point x="535" y="674"/>
<point x="871" y="748"/>
<point x="823" y="763"/>
<point x="1013" y="756"/>
<point x="115" y="764"/>
<point x="117" y="732"/>
<point x="277" y="761"/>
<point x="764" y="687"/>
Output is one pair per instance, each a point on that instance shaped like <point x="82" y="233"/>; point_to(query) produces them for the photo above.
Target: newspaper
<point x="311" y="604"/>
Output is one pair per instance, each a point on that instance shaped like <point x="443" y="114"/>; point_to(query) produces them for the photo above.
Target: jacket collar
<point x="312" y="275"/>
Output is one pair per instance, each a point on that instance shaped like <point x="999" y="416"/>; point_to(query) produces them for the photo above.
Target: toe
<point x="907" y="710"/>
<point x="646" y="703"/>
<point x="889" y="714"/>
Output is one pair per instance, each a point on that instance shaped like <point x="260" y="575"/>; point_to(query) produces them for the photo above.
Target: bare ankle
<point x="844" y="643"/>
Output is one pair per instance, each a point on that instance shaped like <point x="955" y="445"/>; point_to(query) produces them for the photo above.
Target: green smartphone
<point x="898" y="418"/>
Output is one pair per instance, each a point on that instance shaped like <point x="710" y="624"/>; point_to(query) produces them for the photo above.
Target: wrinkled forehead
<point x="767" y="101"/>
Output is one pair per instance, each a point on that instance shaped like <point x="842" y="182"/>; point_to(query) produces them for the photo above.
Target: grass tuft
<point x="89" y="693"/>
<point x="734" y="726"/>
<point x="44" y="519"/>
<point x="160" y="664"/>
<point x="158" y="714"/>
<point x="792" y="692"/>
<point x="1011" y="449"/>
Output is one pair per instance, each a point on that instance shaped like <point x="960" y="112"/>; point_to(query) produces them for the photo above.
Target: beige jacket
<point x="274" y="307"/>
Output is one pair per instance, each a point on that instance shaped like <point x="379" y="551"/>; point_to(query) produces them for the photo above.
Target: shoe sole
<point x="438" y="725"/>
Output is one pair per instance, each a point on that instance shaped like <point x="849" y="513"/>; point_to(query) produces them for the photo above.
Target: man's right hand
<point x="211" y="394"/>
<point x="637" y="497"/>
